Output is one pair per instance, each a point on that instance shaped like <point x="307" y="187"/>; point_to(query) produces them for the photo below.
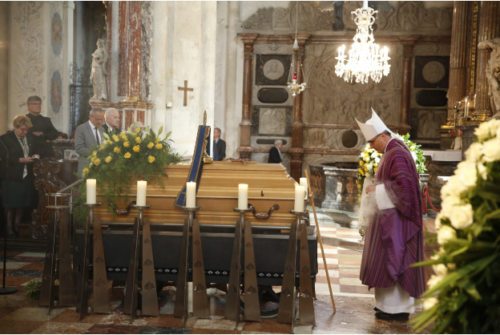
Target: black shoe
<point x="392" y="317"/>
<point x="269" y="310"/>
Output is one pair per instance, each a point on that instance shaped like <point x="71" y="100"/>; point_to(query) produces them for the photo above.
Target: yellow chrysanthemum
<point x="138" y="139"/>
<point x="137" y="130"/>
<point x="108" y="159"/>
<point x="117" y="150"/>
<point x="126" y="144"/>
<point x="159" y="146"/>
<point x="85" y="171"/>
<point x="151" y="159"/>
<point x="127" y="155"/>
<point x="96" y="161"/>
<point x="115" y="138"/>
<point x="136" y="148"/>
<point x="151" y="145"/>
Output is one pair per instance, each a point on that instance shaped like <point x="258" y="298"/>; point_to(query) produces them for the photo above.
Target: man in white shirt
<point x="88" y="136"/>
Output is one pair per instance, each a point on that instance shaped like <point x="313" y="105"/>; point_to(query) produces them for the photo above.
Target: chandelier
<point x="366" y="59"/>
<point x="293" y="85"/>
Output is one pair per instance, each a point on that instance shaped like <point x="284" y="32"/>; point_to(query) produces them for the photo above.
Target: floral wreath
<point x="463" y="295"/>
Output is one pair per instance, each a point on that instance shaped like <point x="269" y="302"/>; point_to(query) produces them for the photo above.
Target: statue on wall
<point x="493" y="72"/>
<point x="98" y="73"/>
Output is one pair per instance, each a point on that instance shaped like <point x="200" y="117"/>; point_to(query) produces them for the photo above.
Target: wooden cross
<point x="185" y="89"/>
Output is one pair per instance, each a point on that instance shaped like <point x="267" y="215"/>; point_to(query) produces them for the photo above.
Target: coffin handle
<point x="263" y="215"/>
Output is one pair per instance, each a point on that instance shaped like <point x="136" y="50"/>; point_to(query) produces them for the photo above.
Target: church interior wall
<point x="4" y="65"/>
<point x="193" y="59"/>
<point x="27" y="56"/>
<point x="329" y="105"/>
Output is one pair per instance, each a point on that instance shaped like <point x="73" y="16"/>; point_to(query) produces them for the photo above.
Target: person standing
<point x="275" y="152"/>
<point x="42" y="130"/>
<point x="18" y="152"/>
<point x="394" y="238"/>
<point x="219" y="146"/>
<point x="88" y="136"/>
<point x="112" y="121"/>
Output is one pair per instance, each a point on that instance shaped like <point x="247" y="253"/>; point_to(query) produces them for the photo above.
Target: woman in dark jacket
<point x="18" y="154"/>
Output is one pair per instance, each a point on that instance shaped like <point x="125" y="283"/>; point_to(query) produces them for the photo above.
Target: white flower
<point x="445" y="234"/>
<point x="437" y="221"/>
<point x="486" y="130"/>
<point x="440" y="269"/>
<point x="454" y="186"/>
<point x="430" y="302"/>
<point x="467" y="173"/>
<point x="482" y="170"/>
<point x="473" y="154"/>
<point x="434" y="280"/>
<point x="491" y="150"/>
<point x="462" y="216"/>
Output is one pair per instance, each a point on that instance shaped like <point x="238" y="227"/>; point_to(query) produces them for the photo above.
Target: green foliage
<point x="33" y="288"/>
<point x="137" y="154"/>
<point x="464" y="295"/>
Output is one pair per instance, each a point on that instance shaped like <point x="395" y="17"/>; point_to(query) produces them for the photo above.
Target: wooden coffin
<point x="268" y="184"/>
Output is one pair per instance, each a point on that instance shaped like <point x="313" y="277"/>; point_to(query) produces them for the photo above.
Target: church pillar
<point x="406" y="83"/>
<point x="458" y="57"/>
<point x="297" y="150"/>
<point x="131" y="32"/>
<point x="245" y="148"/>
<point x="488" y="21"/>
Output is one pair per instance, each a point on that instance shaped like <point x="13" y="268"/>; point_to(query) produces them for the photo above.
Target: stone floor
<point x="343" y="248"/>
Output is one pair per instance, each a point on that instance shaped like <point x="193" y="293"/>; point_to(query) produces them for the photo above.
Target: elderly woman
<point x="18" y="154"/>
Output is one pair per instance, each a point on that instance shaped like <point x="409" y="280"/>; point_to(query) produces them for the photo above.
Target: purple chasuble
<point x="394" y="240"/>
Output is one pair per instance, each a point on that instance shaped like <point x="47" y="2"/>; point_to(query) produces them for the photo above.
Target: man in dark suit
<point x="275" y="152"/>
<point x="43" y="130"/>
<point x="112" y="121"/>
<point x="219" y="146"/>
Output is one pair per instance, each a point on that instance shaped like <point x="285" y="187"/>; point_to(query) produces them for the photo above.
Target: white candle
<point x="141" y="192"/>
<point x="91" y="191"/>
<point x="242" y="196"/>
<point x="190" y="194"/>
<point x="303" y="182"/>
<point x="300" y="193"/>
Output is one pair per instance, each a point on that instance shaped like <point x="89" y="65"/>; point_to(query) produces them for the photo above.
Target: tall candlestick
<point x="141" y="193"/>
<point x="242" y="196"/>
<point x="91" y="191"/>
<point x="299" y="198"/>
<point x="466" y="107"/>
<point x="191" y="194"/>
<point x="303" y="182"/>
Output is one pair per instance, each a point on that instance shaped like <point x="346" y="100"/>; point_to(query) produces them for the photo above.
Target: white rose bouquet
<point x="464" y="294"/>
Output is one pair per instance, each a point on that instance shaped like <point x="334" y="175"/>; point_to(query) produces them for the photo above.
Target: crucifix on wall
<point x="186" y="89"/>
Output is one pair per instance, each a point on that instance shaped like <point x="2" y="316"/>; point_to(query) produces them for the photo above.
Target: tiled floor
<point x="342" y="246"/>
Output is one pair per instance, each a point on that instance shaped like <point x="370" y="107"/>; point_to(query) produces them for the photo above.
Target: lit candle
<point x="242" y="196"/>
<point x="303" y="182"/>
<point x="91" y="191"/>
<point x="190" y="194"/>
<point x="300" y="192"/>
<point x="141" y="192"/>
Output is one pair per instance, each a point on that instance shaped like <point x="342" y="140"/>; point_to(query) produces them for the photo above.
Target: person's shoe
<point x="269" y="310"/>
<point x="392" y="317"/>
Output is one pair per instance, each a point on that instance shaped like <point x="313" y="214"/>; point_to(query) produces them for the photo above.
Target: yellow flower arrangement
<point x="146" y="160"/>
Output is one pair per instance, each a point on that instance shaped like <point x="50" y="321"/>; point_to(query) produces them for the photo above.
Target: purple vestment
<point x="394" y="240"/>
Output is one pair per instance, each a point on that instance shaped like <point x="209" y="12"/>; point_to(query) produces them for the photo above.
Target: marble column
<point x="245" y="148"/>
<point x="406" y="81"/>
<point x="458" y="57"/>
<point x="297" y="150"/>
<point x="129" y="34"/>
<point x="488" y="22"/>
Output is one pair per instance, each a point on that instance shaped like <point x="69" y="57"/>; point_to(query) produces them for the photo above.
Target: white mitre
<point x="372" y="127"/>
